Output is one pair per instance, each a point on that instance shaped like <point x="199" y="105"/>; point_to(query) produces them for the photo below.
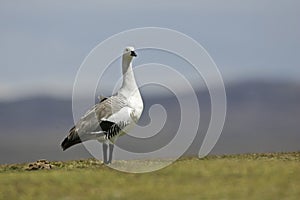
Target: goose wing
<point x="106" y="118"/>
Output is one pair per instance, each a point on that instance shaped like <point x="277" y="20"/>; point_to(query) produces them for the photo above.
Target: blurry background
<point x="255" y="44"/>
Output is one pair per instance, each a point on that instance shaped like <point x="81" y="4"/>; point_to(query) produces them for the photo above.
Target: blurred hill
<point x="261" y="117"/>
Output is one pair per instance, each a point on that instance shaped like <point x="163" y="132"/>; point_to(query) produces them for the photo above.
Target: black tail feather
<point x="71" y="139"/>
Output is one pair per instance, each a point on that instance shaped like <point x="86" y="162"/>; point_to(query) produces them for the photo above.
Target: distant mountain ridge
<point x="261" y="117"/>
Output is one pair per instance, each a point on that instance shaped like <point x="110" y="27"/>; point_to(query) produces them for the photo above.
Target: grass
<point x="248" y="176"/>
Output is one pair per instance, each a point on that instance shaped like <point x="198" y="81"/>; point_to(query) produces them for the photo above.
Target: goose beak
<point x="132" y="53"/>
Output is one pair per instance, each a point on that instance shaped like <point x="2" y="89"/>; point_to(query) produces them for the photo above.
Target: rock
<point x="40" y="164"/>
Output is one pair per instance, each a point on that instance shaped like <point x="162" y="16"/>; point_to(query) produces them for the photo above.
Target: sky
<point x="43" y="43"/>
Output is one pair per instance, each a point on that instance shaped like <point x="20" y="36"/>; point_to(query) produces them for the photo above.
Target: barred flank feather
<point x="112" y="129"/>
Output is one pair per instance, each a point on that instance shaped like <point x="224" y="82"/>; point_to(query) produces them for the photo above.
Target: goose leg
<point x="111" y="149"/>
<point x="104" y="148"/>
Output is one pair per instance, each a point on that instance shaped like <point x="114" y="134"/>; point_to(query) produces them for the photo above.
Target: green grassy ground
<point x="250" y="176"/>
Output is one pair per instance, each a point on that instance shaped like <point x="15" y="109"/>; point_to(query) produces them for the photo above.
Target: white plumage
<point x="112" y="116"/>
